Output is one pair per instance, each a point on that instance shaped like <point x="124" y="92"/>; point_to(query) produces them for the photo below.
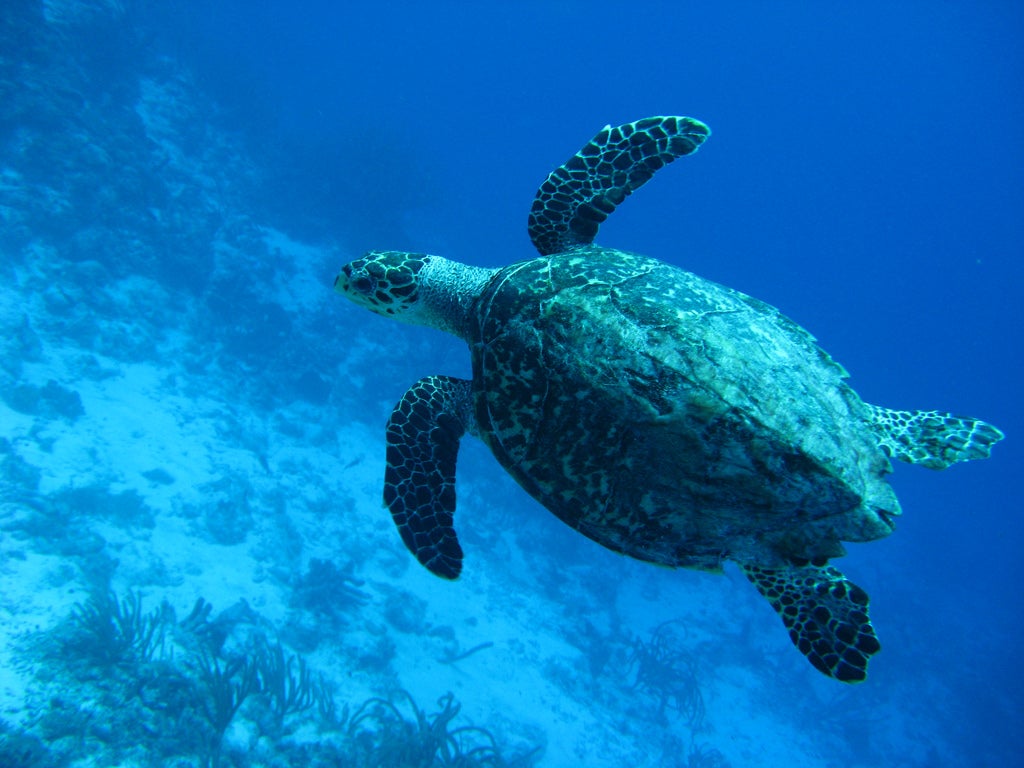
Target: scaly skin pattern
<point x="419" y="483"/>
<point x="933" y="439"/>
<point x="670" y="418"/>
<point x="826" y="615"/>
<point x="582" y="192"/>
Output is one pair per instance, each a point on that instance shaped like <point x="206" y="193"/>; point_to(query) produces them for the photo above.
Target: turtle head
<point x="414" y="287"/>
<point x="385" y="282"/>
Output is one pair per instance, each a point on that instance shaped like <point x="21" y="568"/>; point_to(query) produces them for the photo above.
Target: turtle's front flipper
<point x="826" y="615"/>
<point x="576" y="197"/>
<point x="932" y="439"/>
<point x="419" y="483"/>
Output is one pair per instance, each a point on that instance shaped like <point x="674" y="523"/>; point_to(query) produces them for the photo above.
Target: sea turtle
<point x="664" y="416"/>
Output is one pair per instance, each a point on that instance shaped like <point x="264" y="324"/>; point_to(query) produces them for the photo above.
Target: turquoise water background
<point x="179" y="183"/>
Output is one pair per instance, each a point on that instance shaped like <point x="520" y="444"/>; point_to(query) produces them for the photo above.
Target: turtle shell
<point x="670" y="418"/>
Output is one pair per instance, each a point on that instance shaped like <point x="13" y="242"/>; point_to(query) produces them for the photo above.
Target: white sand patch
<point x="300" y="285"/>
<point x="133" y="423"/>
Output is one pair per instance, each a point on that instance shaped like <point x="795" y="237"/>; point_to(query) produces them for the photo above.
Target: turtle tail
<point x="932" y="438"/>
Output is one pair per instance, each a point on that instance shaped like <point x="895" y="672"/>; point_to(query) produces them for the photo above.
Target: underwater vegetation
<point x="328" y="590"/>
<point x="664" y="668"/>
<point x="675" y="754"/>
<point x="119" y="683"/>
<point x="383" y="737"/>
<point x="109" y="631"/>
<point x="701" y="756"/>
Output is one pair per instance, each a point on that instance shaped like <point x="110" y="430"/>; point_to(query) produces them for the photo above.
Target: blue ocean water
<point x="196" y="569"/>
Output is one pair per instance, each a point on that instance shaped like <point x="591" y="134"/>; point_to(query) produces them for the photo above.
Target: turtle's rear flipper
<point x="826" y="615"/>
<point x="932" y="438"/>
<point x="419" y="483"/>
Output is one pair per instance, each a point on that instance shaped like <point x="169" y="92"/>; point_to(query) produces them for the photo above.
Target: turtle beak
<point x="341" y="282"/>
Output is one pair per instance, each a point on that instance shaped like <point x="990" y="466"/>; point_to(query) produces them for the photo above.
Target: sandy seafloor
<point x="188" y="412"/>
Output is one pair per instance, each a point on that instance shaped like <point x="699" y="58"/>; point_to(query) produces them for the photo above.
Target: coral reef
<point x="120" y="684"/>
